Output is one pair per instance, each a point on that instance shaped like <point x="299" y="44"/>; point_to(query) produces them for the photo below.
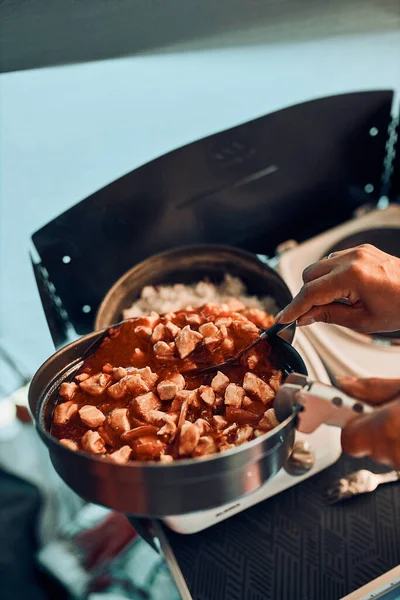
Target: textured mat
<point x="293" y="547"/>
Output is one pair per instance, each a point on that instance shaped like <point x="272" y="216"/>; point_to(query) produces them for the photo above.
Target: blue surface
<point x="68" y="131"/>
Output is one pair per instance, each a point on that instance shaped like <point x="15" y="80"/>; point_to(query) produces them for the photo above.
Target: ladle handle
<point x="275" y="329"/>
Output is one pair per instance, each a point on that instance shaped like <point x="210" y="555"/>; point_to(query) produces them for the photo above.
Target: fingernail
<point x="305" y="321"/>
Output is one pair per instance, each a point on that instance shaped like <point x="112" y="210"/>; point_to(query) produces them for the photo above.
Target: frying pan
<point x="154" y="489"/>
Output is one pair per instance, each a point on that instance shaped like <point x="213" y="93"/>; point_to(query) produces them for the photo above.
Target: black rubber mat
<point x="293" y="546"/>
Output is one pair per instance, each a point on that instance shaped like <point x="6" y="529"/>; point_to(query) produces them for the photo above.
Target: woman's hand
<point x="366" y="278"/>
<point x="377" y="434"/>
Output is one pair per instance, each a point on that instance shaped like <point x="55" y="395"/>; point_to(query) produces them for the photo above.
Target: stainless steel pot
<point x="153" y="489"/>
<point x="190" y="264"/>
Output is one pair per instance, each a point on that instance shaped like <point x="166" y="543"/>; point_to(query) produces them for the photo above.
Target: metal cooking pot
<point x="188" y="265"/>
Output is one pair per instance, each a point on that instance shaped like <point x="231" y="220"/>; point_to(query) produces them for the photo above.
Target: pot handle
<point x="316" y="403"/>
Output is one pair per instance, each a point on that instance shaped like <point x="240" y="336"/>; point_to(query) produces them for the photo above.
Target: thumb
<point x="372" y="389"/>
<point x="335" y="313"/>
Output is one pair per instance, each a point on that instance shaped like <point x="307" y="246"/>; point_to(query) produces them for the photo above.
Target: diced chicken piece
<point x="118" y="420"/>
<point x="169" y="426"/>
<point x="121" y="456"/>
<point x="168" y="388"/>
<point x="163" y="349"/>
<point x="219" y="400"/>
<point x="205" y="447"/>
<point x="234" y="395"/>
<point x="187" y="397"/>
<point x="219" y="422"/>
<point x="189" y="365"/>
<point x="91" y="416"/>
<point x="172" y="329"/>
<point x="158" y="417"/>
<point x="240" y="416"/>
<point x="138" y="354"/>
<point x="96" y="384"/>
<point x="275" y="380"/>
<point x="258" y="317"/>
<point x="64" y="412"/>
<point x="150" y="320"/>
<point x="223" y="445"/>
<point x="247" y="402"/>
<point x="137" y="432"/>
<point x="223" y="332"/>
<point x="169" y="316"/>
<point x="187" y="341"/>
<point x="148" y="376"/>
<point x="219" y="383"/>
<point x="258" y="387"/>
<point x="252" y="361"/>
<point x="207" y="394"/>
<point x="107" y="368"/>
<point x="143" y="331"/>
<point x="93" y="442"/>
<point x="118" y="373"/>
<point x="142" y="405"/>
<point x="194" y="319"/>
<point x="189" y="438"/>
<point x="245" y="328"/>
<point x="208" y="330"/>
<point x="203" y="425"/>
<point x="211" y="309"/>
<point x="258" y="433"/>
<point x="223" y="322"/>
<point x="179" y="380"/>
<point x="228" y="346"/>
<point x="244" y="434"/>
<point x="158" y="333"/>
<point x="148" y="447"/>
<point x="269" y="420"/>
<point x="235" y="305"/>
<point x="68" y="390"/>
<point x="82" y="377"/>
<point x="231" y="429"/>
<point x="69" y="444"/>
<point x="130" y="384"/>
<point x="212" y="342"/>
<point x="166" y="459"/>
<point x="106" y="438"/>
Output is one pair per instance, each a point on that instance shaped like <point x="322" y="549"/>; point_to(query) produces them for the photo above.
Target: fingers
<point x="376" y="435"/>
<point x="318" y="269"/>
<point x="371" y="389"/>
<point x="335" y="312"/>
<point x="319" y="292"/>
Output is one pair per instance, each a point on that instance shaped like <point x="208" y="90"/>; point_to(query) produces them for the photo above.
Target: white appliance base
<point x="325" y="441"/>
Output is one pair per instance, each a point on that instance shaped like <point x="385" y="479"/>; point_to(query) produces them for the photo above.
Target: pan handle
<point x="316" y="403"/>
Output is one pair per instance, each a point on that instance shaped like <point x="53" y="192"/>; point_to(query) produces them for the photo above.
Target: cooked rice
<point x="170" y="298"/>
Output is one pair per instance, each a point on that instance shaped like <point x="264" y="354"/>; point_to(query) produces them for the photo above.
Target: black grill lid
<point x="291" y="174"/>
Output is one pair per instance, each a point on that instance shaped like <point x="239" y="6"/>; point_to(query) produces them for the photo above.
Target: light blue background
<point x="67" y="131"/>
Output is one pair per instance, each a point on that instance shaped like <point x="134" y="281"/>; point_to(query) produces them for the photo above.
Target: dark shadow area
<point x="40" y="33"/>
